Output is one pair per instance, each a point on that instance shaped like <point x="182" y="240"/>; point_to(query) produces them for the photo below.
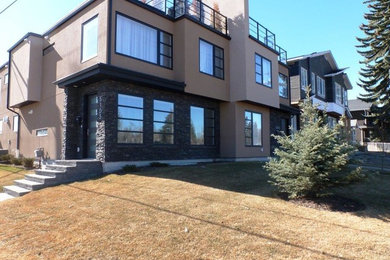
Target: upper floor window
<point x="90" y="39"/>
<point x="202" y="126"/>
<point x="163" y="122"/>
<point x="313" y="83"/>
<point x="321" y="87"/>
<point x="143" y="42"/>
<point x="339" y="94"/>
<point x="263" y="71"/>
<point x="253" y="129"/>
<point x="15" y="125"/>
<point x="6" y="78"/>
<point x="283" y="86"/>
<point x="345" y="97"/>
<point x="304" y="79"/>
<point x="130" y="119"/>
<point x="211" y="59"/>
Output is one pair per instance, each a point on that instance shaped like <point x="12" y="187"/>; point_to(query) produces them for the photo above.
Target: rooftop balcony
<point x="193" y="9"/>
<point x="266" y="37"/>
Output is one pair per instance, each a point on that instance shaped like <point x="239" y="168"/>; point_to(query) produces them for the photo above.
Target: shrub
<point x="314" y="159"/>
<point x="28" y="162"/>
<point x="17" y="161"/>
<point x="7" y="158"/>
<point x="130" y="168"/>
<point x="158" y="164"/>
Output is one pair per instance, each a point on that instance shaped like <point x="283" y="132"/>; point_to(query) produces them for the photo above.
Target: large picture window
<point x="202" y="126"/>
<point x="253" y="129"/>
<point x="130" y="119"/>
<point x="283" y="86"/>
<point x="143" y="42"/>
<point x="163" y="122"/>
<point x="211" y="59"/>
<point x="263" y="71"/>
<point x="90" y="39"/>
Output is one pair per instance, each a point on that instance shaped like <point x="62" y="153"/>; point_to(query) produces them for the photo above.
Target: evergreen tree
<point x="313" y="160"/>
<point x="375" y="48"/>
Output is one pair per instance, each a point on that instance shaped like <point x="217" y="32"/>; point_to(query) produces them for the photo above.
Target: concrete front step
<point x="50" y="173"/>
<point x="56" y="167"/>
<point x="15" y="191"/>
<point x="29" y="185"/>
<point x="40" y="178"/>
<point x="5" y="196"/>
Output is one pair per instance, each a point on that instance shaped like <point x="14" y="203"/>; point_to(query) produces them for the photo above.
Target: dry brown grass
<point x="222" y="211"/>
<point x="8" y="174"/>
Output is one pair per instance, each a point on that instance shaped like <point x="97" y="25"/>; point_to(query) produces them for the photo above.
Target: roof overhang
<point x="100" y="71"/>
<point x="290" y="109"/>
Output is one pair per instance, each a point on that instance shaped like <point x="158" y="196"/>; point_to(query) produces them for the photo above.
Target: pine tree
<point x="375" y="48"/>
<point x="313" y="160"/>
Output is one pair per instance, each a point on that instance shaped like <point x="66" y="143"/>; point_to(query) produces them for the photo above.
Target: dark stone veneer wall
<point x="107" y="148"/>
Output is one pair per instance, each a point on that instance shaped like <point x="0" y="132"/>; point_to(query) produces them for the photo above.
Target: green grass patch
<point x="10" y="168"/>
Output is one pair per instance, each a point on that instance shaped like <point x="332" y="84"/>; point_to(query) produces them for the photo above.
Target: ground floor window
<point x="130" y="119"/>
<point x="253" y="129"/>
<point x="202" y="126"/>
<point x="163" y="122"/>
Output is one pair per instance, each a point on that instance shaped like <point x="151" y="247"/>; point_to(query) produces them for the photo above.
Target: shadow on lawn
<point x="251" y="178"/>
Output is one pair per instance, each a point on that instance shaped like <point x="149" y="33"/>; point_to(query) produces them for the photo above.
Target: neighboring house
<point x="124" y="81"/>
<point x="362" y="126"/>
<point x="329" y="84"/>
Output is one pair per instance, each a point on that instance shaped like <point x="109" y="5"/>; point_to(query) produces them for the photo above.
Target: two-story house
<point x="131" y="80"/>
<point x="329" y="84"/>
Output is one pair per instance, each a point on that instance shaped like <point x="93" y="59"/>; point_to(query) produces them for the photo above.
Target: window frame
<point x="313" y="82"/>
<point x="15" y="130"/>
<point x="158" y="43"/>
<point x="321" y="87"/>
<point x="287" y="86"/>
<point x="214" y="57"/>
<point x="205" y="126"/>
<point x="304" y="72"/>
<point x="339" y="94"/>
<point x="262" y="70"/>
<point x="37" y="131"/>
<point x="120" y="118"/>
<point x="6" y="79"/>
<point x="245" y="128"/>
<point x="82" y="39"/>
<point x="171" y="123"/>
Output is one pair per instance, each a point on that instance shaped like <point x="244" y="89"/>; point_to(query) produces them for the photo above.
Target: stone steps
<point x="60" y="172"/>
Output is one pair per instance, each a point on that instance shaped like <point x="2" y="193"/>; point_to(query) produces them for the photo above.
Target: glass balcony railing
<point x="265" y="36"/>
<point x="194" y="9"/>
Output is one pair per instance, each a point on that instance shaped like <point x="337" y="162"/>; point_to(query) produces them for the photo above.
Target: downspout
<point x="13" y="111"/>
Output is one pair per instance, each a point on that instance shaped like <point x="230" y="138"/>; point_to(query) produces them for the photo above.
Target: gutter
<point x="8" y="108"/>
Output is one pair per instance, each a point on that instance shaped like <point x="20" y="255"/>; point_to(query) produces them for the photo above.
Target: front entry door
<point x="92" y="109"/>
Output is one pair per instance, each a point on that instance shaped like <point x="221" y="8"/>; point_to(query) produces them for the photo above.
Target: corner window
<point x="130" y="119"/>
<point x="202" y="126"/>
<point x="143" y="42"/>
<point x="263" y="71"/>
<point x="6" y="78"/>
<point x="283" y="86"/>
<point x="42" y="132"/>
<point x="304" y="80"/>
<point x="321" y="87"/>
<point x="211" y="59"/>
<point x="313" y="83"/>
<point x="253" y="129"/>
<point x="90" y="39"/>
<point x="339" y="94"/>
<point x="163" y="122"/>
<point x="15" y="124"/>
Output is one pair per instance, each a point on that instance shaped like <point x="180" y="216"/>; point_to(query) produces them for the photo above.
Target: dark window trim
<point x="288" y="86"/>
<point x="118" y="118"/>
<point x="157" y="43"/>
<point x="204" y="125"/>
<point x="214" y="66"/>
<point x="262" y="71"/>
<point x="262" y="140"/>
<point x="82" y="39"/>
<point x="172" y="123"/>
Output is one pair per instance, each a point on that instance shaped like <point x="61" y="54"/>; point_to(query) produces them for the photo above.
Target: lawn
<point x="215" y="211"/>
<point x="8" y="174"/>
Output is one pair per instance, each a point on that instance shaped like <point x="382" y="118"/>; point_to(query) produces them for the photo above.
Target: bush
<point x="7" y="158"/>
<point x="28" y="162"/>
<point x="158" y="164"/>
<point x="17" y="161"/>
<point x="130" y="168"/>
<point x="313" y="160"/>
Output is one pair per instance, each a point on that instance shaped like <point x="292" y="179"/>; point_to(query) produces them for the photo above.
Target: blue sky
<point x="301" y="26"/>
